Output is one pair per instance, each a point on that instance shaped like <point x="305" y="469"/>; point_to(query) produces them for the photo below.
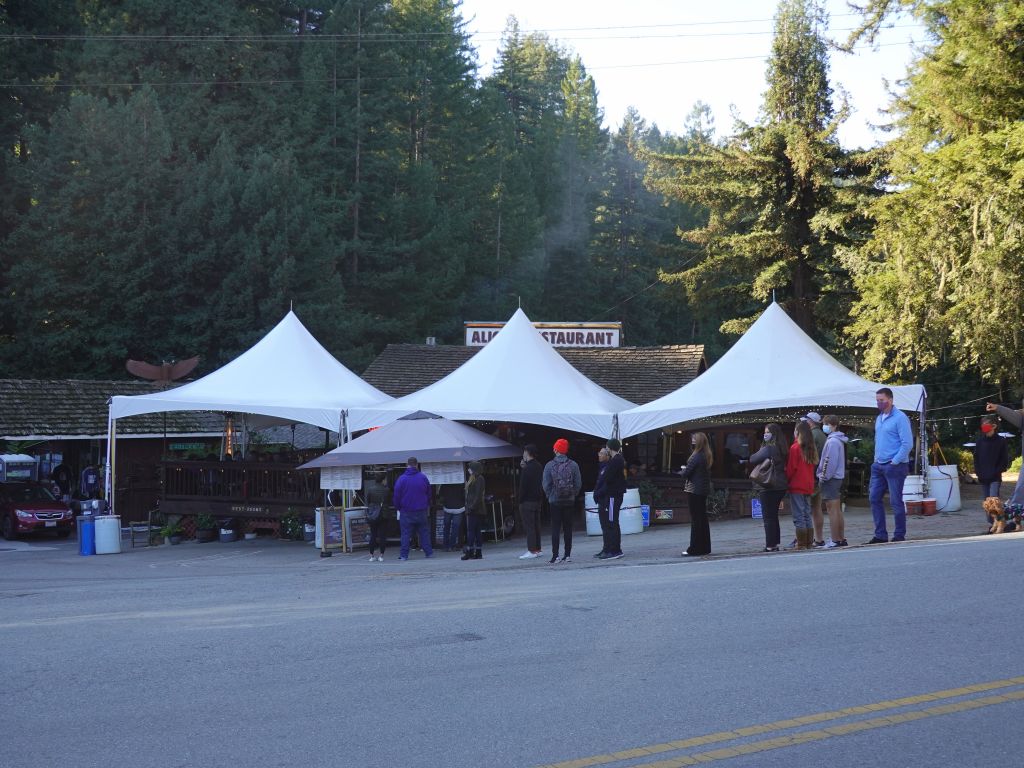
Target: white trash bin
<point x="943" y="486"/>
<point x="108" y="534"/>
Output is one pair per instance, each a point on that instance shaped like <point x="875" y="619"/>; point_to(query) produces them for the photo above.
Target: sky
<point x="663" y="56"/>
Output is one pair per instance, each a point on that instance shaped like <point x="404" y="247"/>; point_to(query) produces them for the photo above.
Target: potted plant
<point x="291" y="527"/>
<point x="171" y="533"/>
<point x="206" y="528"/>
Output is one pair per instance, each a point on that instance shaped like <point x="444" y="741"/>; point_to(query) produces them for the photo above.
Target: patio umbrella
<point x="427" y="436"/>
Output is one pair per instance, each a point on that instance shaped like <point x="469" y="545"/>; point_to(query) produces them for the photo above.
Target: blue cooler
<point x="645" y="513"/>
<point x="86" y="535"/>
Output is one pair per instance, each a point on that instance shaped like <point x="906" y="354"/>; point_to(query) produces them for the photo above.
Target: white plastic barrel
<point x="630" y="518"/>
<point x="108" y="534"/>
<point x="590" y="509"/>
<point x="943" y="486"/>
<point x="913" y="488"/>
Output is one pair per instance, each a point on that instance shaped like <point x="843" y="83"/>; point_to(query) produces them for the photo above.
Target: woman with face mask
<point x="771" y="493"/>
<point x="991" y="458"/>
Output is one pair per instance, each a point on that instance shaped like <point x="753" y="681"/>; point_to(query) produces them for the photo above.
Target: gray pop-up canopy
<point x="428" y="437"/>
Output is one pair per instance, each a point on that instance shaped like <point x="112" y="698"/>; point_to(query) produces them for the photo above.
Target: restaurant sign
<point x="557" y="334"/>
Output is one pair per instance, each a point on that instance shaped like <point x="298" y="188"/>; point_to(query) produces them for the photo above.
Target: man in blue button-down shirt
<point x="893" y="443"/>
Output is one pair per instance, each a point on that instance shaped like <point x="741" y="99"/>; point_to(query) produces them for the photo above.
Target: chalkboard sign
<point x="358" y="528"/>
<point x="332" y="529"/>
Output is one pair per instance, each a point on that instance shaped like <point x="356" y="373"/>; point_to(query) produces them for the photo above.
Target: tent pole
<point x="923" y="454"/>
<point x="109" y="478"/>
<point x="615" y="426"/>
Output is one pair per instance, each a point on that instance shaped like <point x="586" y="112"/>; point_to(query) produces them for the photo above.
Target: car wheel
<point x="7" y="529"/>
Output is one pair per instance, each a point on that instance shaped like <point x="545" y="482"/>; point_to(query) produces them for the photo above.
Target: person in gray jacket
<point x="771" y="494"/>
<point x="831" y="471"/>
<point x="1016" y="418"/>
<point x="562" y="483"/>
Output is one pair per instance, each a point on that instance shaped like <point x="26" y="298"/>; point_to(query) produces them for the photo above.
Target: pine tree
<point x="942" y="278"/>
<point x="770" y="189"/>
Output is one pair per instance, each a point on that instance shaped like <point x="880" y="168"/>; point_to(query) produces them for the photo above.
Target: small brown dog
<point x="993" y="506"/>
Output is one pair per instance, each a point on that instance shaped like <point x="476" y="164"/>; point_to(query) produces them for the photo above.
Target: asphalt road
<point x="264" y="655"/>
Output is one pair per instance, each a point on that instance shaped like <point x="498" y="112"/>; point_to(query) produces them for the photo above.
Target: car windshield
<point x="23" y="493"/>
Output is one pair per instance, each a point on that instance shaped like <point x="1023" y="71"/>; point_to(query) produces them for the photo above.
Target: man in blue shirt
<point x="893" y="443"/>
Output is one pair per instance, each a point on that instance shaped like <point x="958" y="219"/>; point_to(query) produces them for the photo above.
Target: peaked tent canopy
<point x="287" y="375"/>
<point x="426" y="436"/>
<point x="518" y="376"/>
<point x="773" y="365"/>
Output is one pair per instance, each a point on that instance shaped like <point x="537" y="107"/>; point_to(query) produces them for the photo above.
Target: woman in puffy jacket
<point x="773" y="490"/>
<point x="697" y="474"/>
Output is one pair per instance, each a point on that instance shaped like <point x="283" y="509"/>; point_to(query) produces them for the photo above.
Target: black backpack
<point x="563" y="481"/>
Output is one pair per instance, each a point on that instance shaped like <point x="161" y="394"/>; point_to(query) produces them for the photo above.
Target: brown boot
<point x="804" y="538"/>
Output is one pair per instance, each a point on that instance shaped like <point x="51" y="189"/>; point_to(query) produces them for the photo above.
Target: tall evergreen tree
<point x="942" y="278"/>
<point x="770" y="189"/>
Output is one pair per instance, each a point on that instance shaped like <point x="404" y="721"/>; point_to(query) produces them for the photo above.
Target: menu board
<point x="332" y="527"/>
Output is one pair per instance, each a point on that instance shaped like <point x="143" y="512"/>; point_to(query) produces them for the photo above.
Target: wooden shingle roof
<point x="639" y="374"/>
<point x="72" y="408"/>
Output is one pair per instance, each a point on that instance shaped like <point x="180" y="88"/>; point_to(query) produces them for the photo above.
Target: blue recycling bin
<point x="86" y="535"/>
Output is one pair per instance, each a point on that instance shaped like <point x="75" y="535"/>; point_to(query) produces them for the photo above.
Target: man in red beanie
<point x="562" y="483"/>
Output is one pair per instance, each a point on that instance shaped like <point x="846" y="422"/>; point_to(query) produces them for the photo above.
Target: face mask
<point x="767" y="437"/>
<point x="826" y="429"/>
<point x="988" y="429"/>
<point x="693" y="445"/>
<point x="883" y="407"/>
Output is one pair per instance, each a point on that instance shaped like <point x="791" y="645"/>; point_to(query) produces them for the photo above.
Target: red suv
<point x="30" y="507"/>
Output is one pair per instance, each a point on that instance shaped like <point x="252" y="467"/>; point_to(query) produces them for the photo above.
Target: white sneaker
<point x="372" y="558"/>
<point x="830" y="544"/>
<point x="380" y="558"/>
<point x="529" y="555"/>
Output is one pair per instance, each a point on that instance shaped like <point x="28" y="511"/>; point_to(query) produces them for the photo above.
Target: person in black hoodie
<point x="531" y="494"/>
<point x="615" y="487"/>
<point x="697" y="475"/>
<point x="453" y="500"/>
<point x="991" y="457"/>
<point x="601" y="490"/>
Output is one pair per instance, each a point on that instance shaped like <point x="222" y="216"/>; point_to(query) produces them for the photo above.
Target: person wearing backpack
<point x="615" y="489"/>
<point x="562" y="483"/>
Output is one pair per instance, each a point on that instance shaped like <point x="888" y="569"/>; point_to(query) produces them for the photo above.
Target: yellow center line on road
<point x="809" y="736"/>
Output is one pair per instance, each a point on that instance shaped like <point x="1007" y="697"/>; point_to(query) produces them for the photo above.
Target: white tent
<point x="518" y="376"/>
<point x="287" y="375"/>
<point x="773" y="365"/>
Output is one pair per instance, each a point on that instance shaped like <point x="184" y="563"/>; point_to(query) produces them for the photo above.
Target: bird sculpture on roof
<point x="164" y="373"/>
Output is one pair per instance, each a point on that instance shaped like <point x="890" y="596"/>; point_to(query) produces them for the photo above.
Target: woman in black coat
<point x="771" y="493"/>
<point x="697" y="474"/>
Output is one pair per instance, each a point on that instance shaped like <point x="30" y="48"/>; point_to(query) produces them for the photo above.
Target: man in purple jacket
<point x="412" y="500"/>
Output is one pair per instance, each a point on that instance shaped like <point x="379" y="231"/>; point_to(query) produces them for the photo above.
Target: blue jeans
<point x="417" y="520"/>
<point x="888" y="478"/>
<point x="990" y="488"/>
<point x="801" y="507"/>
<point x="452" y="529"/>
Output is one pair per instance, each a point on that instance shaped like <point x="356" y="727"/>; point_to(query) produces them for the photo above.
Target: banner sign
<point x="557" y="334"/>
